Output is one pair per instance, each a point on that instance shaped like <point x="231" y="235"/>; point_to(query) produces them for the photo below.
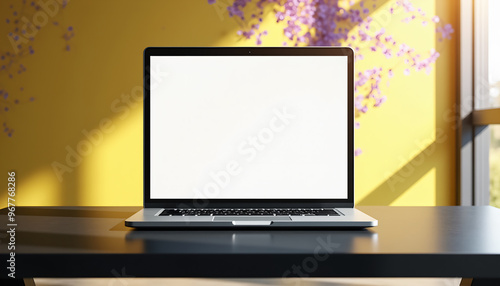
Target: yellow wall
<point x="408" y="143"/>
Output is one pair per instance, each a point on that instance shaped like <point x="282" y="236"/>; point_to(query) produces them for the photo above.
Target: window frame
<point x="473" y="134"/>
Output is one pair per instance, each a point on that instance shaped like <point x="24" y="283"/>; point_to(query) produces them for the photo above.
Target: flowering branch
<point x="337" y="23"/>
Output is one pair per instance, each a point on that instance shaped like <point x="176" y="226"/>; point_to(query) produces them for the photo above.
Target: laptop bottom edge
<point x="350" y="218"/>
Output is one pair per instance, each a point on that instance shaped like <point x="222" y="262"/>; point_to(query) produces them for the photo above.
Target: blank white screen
<point x="254" y="127"/>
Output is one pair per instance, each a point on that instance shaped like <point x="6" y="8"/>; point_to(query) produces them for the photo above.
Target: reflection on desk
<point x="222" y="241"/>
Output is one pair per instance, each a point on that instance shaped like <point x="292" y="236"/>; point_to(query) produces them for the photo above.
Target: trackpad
<point x="252" y="218"/>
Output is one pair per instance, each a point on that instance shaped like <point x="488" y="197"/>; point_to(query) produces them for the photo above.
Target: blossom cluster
<point x="24" y="20"/>
<point x="346" y="23"/>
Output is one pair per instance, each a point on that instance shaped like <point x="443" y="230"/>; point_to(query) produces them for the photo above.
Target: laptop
<point x="249" y="138"/>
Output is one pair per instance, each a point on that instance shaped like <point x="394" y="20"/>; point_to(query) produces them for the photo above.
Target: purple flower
<point x="445" y="31"/>
<point x="388" y="53"/>
<point x="364" y="36"/>
<point x="211" y="2"/>
<point x="380" y="100"/>
<point x="358" y="152"/>
<point x="406" y="4"/>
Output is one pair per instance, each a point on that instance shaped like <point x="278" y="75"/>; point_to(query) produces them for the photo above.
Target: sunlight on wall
<point x="116" y="165"/>
<point x="420" y="194"/>
<point x="77" y="90"/>
<point x="39" y="188"/>
<point x="399" y="135"/>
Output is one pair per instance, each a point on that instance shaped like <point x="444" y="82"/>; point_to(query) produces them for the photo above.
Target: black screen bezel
<point x="248" y="51"/>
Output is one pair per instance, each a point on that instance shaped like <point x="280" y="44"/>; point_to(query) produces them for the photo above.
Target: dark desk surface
<point x="409" y="242"/>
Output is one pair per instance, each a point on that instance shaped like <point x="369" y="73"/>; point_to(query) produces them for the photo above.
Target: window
<point x="492" y="97"/>
<point x="494" y="158"/>
<point x="479" y="122"/>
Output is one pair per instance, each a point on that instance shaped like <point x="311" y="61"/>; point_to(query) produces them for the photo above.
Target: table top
<point x="409" y="242"/>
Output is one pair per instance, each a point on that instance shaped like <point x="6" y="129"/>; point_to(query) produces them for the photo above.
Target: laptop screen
<point x="249" y="127"/>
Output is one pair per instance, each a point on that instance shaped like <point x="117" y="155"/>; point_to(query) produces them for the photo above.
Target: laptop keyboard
<point x="250" y="212"/>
